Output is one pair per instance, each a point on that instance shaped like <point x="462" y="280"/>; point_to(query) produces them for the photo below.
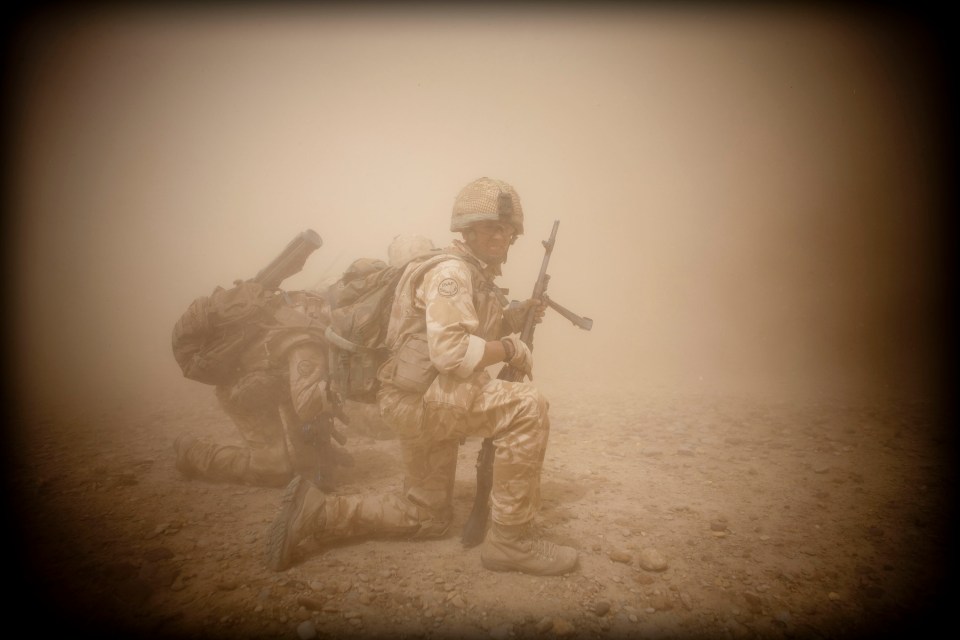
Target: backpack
<point x="214" y="331"/>
<point x="360" y="304"/>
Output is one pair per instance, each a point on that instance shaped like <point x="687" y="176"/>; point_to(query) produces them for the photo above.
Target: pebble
<point x="562" y="628"/>
<point x="619" y="555"/>
<point x="652" y="560"/>
<point x="314" y="604"/>
<point x="601" y="608"/>
<point x="306" y="630"/>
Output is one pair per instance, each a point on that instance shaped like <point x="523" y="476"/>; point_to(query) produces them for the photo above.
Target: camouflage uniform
<point x="445" y="310"/>
<point x="284" y="385"/>
<point x="446" y="313"/>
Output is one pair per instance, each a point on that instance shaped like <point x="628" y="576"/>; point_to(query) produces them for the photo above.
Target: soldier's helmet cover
<point x="486" y="199"/>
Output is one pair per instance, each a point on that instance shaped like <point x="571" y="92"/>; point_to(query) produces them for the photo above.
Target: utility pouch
<point x="413" y="372"/>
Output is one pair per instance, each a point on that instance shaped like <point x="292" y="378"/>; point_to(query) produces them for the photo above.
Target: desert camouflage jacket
<point x="452" y="299"/>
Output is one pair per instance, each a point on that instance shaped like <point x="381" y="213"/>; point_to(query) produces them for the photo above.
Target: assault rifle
<point x="475" y="529"/>
<point x="316" y="436"/>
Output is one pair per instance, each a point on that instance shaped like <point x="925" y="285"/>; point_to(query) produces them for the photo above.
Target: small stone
<point x="652" y="560"/>
<point x="544" y="625"/>
<point x="618" y="555"/>
<point x="601" y="608"/>
<point x="306" y="630"/>
<point x="562" y="628"/>
<point x="311" y="603"/>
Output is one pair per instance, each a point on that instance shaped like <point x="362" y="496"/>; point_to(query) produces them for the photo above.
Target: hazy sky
<point x="748" y="200"/>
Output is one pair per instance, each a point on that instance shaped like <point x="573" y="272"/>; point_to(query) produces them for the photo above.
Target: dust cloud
<point x="750" y="201"/>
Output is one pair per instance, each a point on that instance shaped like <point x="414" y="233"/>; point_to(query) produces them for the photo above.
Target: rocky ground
<point x="695" y="516"/>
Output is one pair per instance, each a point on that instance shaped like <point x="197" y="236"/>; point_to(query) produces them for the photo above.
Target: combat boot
<point x="302" y="515"/>
<point x="516" y="548"/>
<point x="181" y="445"/>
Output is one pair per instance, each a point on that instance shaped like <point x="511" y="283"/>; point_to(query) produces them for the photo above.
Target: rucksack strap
<point x="345" y="344"/>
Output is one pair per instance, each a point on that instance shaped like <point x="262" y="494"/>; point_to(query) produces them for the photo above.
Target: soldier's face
<point x="490" y="240"/>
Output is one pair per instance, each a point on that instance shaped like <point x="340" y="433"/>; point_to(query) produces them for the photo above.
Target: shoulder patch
<point x="448" y="287"/>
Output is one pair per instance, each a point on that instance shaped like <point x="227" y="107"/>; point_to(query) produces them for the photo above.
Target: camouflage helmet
<point x="486" y="199"/>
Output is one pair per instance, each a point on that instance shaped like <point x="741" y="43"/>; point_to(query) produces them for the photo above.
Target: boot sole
<point x="494" y="565"/>
<point x="280" y="548"/>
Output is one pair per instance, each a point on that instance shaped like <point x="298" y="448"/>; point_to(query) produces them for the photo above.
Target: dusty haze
<point x="753" y="209"/>
<point x="749" y="201"/>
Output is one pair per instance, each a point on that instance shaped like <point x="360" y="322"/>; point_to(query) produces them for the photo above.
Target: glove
<point x="516" y="313"/>
<point x="519" y="355"/>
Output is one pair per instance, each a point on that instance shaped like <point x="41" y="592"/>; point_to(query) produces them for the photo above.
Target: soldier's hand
<point x="538" y="306"/>
<point x="521" y="356"/>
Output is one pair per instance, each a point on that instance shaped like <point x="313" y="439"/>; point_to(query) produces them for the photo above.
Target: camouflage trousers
<point x="263" y="460"/>
<point x="514" y="414"/>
